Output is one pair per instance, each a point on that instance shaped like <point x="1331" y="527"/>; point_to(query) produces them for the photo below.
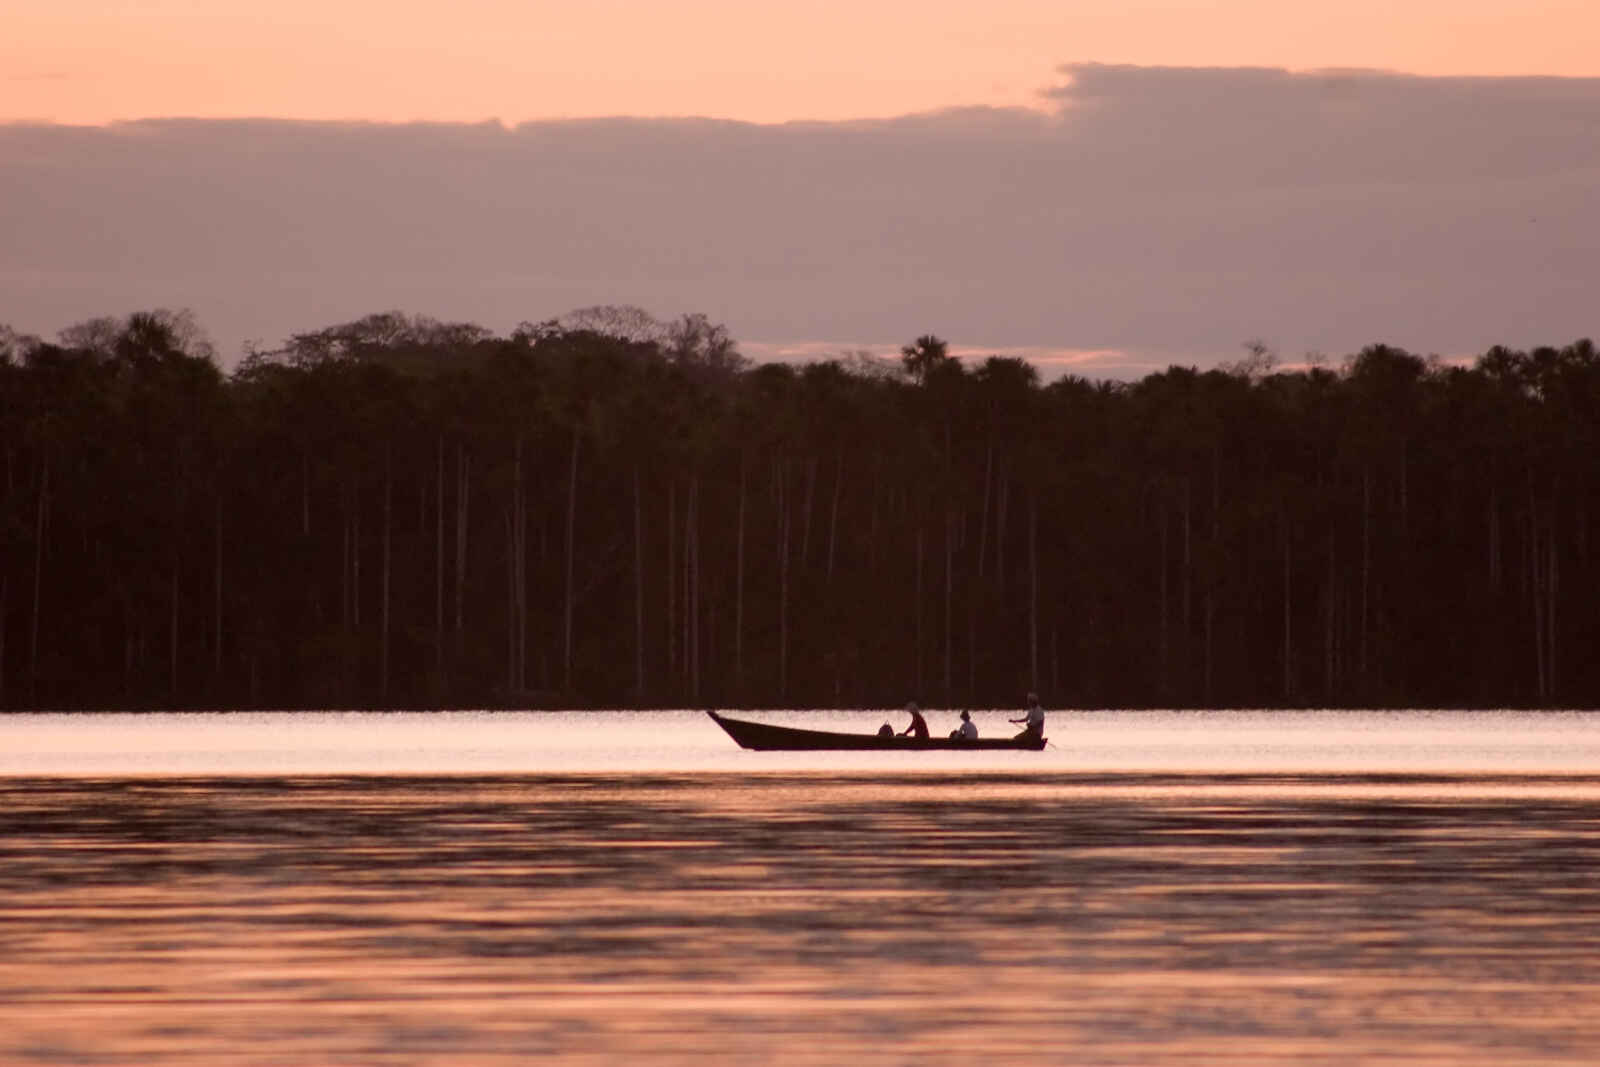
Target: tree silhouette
<point x="608" y="509"/>
<point x="923" y="356"/>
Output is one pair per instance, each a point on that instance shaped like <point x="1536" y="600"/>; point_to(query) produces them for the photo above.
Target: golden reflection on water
<point x="1141" y="919"/>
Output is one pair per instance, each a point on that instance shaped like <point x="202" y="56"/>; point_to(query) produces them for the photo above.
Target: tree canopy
<point x="606" y="510"/>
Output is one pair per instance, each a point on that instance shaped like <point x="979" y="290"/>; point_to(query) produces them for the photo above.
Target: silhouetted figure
<point x="967" y="731"/>
<point x="1033" y="720"/>
<point x="919" y="725"/>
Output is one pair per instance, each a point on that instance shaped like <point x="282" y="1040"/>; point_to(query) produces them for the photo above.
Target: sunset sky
<point x="1132" y="181"/>
<point x="90" y="61"/>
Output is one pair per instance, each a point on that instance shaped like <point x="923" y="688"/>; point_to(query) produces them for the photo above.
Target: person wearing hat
<point x="919" y="725"/>
<point x="1033" y="722"/>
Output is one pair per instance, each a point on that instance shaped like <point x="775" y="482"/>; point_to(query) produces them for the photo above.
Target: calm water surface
<point x="1160" y="888"/>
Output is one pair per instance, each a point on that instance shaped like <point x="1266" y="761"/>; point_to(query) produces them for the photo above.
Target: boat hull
<point x="764" y="737"/>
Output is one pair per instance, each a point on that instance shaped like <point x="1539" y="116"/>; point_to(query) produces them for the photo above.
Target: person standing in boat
<point x="919" y="725"/>
<point x="1033" y="722"/>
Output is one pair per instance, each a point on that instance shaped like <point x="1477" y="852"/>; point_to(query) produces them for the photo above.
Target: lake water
<point x="477" y="888"/>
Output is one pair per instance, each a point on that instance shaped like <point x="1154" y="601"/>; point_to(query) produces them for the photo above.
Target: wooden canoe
<point x="767" y="738"/>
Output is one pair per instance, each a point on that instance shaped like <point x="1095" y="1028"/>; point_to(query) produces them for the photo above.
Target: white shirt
<point x="969" y="730"/>
<point x="1036" y="717"/>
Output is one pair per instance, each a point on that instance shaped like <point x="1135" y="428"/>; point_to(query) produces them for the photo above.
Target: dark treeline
<point x="605" y="510"/>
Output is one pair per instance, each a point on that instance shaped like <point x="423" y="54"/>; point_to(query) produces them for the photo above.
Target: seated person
<point x="919" y="725"/>
<point x="967" y="731"/>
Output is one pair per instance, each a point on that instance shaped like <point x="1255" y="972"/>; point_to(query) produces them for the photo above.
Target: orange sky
<point x="91" y="61"/>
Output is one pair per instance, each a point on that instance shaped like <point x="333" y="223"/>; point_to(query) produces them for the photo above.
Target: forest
<point x="610" y="511"/>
